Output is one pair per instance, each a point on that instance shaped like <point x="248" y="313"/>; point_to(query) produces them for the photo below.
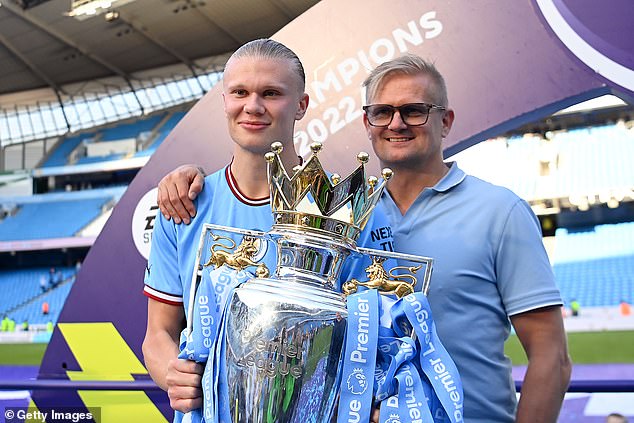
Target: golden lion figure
<point x="239" y="259"/>
<point x="386" y="283"/>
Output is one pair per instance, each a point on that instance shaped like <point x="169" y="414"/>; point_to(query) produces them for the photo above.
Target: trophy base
<point x="283" y="351"/>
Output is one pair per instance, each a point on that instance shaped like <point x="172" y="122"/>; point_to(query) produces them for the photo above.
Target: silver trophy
<point x="284" y="333"/>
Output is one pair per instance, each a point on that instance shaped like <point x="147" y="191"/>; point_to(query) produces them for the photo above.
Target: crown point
<point x="277" y="147"/>
<point x="363" y="157"/>
<point x="335" y="178"/>
<point x="372" y="181"/>
<point x="387" y="173"/>
<point x="269" y="157"/>
<point x="316" y="147"/>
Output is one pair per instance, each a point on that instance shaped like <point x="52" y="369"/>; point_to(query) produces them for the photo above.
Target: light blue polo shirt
<point x="489" y="263"/>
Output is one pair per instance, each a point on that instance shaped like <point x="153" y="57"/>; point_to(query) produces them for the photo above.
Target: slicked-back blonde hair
<point x="266" y="48"/>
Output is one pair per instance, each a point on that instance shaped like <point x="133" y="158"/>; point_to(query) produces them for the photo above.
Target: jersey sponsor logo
<point x="143" y="222"/>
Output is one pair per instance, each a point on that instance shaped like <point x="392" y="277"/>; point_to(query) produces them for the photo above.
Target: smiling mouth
<point x="254" y="124"/>
<point x="398" y="139"/>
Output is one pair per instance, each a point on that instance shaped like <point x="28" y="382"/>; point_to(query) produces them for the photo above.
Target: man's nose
<point x="254" y="105"/>
<point x="397" y="122"/>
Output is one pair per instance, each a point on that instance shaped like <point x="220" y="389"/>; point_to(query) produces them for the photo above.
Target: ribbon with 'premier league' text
<point x="409" y="404"/>
<point x="215" y="288"/>
<point x="403" y="396"/>
<point x="413" y="314"/>
<point x="415" y="380"/>
<point x="359" y="357"/>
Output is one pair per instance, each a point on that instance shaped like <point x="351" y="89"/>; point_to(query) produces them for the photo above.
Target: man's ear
<point x="303" y="106"/>
<point x="367" y="126"/>
<point x="447" y="122"/>
<point x="224" y="104"/>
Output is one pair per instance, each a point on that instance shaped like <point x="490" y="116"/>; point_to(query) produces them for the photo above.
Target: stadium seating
<point x="51" y="219"/>
<point x="136" y="130"/>
<point x="59" y="156"/>
<point x="97" y="159"/>
<point x="163" y="132"/>
<point x="597" y="283"/>
<point x="32" y="312"/>
<point x="20" y="286"/>
<point x="130" y="130"/>
<point x="580" y="162"/>
<point x="596" y="267"/>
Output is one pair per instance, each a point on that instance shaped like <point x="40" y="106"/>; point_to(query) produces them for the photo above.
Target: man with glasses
<point x="490" y="264"/>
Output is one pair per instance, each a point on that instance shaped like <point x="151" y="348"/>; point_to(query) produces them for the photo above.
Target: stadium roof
<point x="41" y="46"/>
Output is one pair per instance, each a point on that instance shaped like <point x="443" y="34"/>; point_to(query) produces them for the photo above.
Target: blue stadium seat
<point x="130" y="130"/>
<point x="21" y="286"/>
<point x="596" y="267"/>
<point x="32" y="311"/>
<point x="51" y="219"/>
<point x="162" y="134"/>
<point x="59" y="156"/>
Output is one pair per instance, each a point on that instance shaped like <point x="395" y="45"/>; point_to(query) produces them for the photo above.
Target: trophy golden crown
<point x="310" y="200"/>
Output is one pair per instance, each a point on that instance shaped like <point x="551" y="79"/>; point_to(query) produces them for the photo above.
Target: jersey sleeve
<point x="162" y="281"/>
<point x="524" y="274"/>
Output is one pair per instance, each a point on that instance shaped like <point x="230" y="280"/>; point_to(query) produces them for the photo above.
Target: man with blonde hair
<point x="263" y="93"/>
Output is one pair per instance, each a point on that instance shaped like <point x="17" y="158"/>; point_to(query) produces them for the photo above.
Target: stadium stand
<point x="571" y="163"/>
<point x="51" y="219"/>
<point x="130" y="130"/>
<point x="32" y="311"/>
<point x="63" y="149"/>
<point x="20" y="287"/>
<point x="119" y="141"/>
<point x="596" y="267"/>
<point x="163" y="132"/>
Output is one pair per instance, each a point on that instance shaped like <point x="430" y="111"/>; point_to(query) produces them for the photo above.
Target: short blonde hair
<point x="408" y="64"/>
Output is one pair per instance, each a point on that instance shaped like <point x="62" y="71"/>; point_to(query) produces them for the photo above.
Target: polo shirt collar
<point x="451" y="179"/>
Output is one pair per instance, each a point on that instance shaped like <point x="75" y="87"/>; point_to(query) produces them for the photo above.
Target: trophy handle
<point x="389" y="282"/>
<point x="238" y="258"/>
<point x="223" y="251"/>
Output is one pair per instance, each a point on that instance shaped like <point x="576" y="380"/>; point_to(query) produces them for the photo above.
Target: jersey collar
<point x="233" y="186"/>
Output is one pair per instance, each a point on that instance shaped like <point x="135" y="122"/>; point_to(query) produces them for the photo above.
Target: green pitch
<point x="586" y="348"/>
<point x="22" y="354"/>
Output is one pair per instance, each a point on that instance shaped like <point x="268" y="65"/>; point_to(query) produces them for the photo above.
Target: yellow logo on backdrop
<point x="103" y="355"/>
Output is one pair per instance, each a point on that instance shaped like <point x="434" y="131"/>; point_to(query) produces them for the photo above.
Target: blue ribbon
<point x="409" y="404"/>
<point x="211" y="299"/>
<point x="359" y="357"/>
<point x="415" y="380"/>
<point x="405" y="367"/>
<point x="412" y="313"/>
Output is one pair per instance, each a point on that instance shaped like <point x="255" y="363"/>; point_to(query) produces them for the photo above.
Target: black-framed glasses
<point x="412" y="114"/>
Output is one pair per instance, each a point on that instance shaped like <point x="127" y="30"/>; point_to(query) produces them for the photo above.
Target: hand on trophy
<point x="184" y="384"/>
<point x="177" y="190"/>
<point x="374" y="417"/>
